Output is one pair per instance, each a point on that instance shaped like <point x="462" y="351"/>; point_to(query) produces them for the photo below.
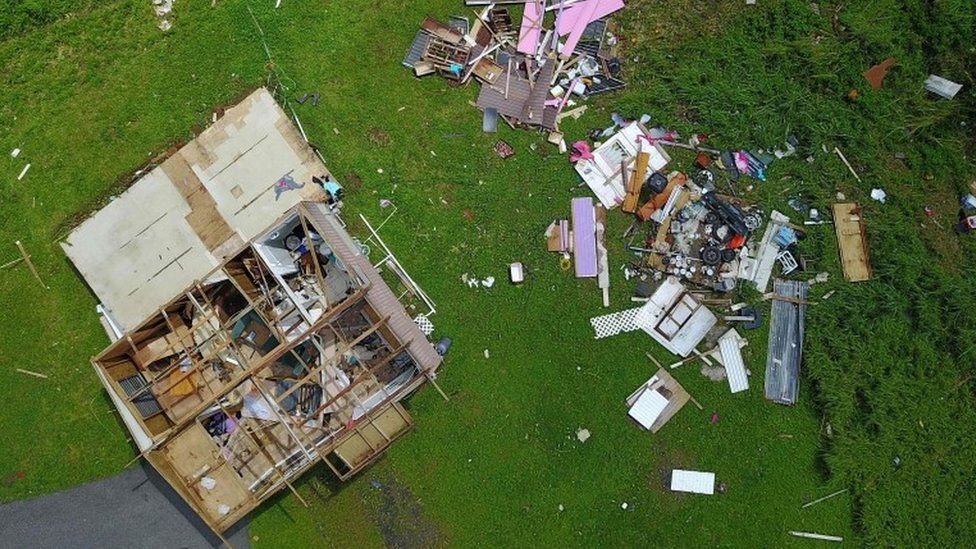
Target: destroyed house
<point x="291" y="350"/>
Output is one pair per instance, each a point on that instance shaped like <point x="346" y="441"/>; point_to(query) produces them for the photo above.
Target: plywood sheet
<point x="183" y="218"/>
<point x="852" y="241"/>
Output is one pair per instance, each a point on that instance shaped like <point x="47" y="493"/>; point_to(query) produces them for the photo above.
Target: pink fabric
<point x="742" y="162"/>
<point x="531" y="30"/>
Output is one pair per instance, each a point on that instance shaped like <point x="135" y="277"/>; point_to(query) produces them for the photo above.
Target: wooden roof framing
<point x="217" y="507"/>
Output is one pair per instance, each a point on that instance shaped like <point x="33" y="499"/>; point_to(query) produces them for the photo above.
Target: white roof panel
<point x="193" y="211"/>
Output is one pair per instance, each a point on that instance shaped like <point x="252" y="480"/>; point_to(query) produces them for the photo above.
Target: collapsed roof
<point x="257" y="339"/>
<point x="193" y="211"/>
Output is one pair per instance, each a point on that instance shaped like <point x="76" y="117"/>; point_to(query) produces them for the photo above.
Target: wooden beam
<point x="30" y="265"/>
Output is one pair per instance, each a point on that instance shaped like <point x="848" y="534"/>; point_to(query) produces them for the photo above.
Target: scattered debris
<point x="879" y="195"/>
<point x="23" y="172"/>
<point x="942" y="87"/>
<point x="818" y="500"/>
<point x="582" y="435"/>
<point x="504" y="150"/>
<point x="584" y="237"/>
<point x="30" y="373"/>
<point x="529" y="73"/>
<point x="516" y="273"/>
<point x="811" y="535"/>
<point x="163" y="8"/>
<point x="615" y="323"/>
<point x="732" y="360"/>
<point x="30" y="264"/>
<point x="846" y="163"/>
<point x="692" y="482"/>
<point x="675" y="318"/>
<point x="875" y="75"/>
<point x="15" y="153"/>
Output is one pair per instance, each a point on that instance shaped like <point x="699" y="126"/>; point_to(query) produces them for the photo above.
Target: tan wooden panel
<point x="852" y="241"/>
<point x="369" y="439"/>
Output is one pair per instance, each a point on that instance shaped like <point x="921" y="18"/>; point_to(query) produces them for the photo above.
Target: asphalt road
<point x="134" y="509"/>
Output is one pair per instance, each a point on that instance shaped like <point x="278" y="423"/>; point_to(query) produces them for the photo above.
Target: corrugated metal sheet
<point x="379" y="295"/>
<point x="416" y="50"/>
<point x="695" y="482"/>
<point x="735" y="369"/>
<point x="785" y="349"/>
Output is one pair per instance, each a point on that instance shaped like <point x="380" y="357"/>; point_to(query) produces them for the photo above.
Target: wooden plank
<point x="852" y="241"/>
<point x="635" y="183"/>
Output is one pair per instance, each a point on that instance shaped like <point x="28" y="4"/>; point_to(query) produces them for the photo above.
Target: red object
<point x="703" y="160"/>
<point x="929" y="211"/>
<point x="714" y="418"/>
<point x="737" y="242"/>
<point x="503" y="149"/>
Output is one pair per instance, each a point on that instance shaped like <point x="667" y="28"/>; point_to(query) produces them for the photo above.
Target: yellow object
<point x="185" y="386"/>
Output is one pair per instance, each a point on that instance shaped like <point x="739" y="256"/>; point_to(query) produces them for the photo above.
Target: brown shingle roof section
<point x="532" y="112"/>
<point x="379" y="295"/>
<point x="494" y="95"/>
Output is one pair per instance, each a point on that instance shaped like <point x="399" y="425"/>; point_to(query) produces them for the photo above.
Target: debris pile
<point x="531" y="75"/>
<point x="693" y="239"/>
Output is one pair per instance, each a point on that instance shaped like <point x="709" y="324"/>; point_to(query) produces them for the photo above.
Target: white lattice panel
<point x="425" y="325"/>
<point x="614" y="323"/>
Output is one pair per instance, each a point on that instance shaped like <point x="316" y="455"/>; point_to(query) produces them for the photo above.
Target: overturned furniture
<point x="262" y="349"/>
<point x="675" y="318"/>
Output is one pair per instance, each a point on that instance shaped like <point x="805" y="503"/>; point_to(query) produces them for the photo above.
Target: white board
<point x="694" y="482"/>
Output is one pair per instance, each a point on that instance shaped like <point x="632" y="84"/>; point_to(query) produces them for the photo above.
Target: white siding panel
<point x="734" y="367"/>
<point x="648" y="407"/>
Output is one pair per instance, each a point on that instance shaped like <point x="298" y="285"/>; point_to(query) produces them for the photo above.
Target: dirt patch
<point x="352" y="181"/>
<point x="713" y="372"/>
<point x="668" y="459"/>
<point x="399" y="517"/>
<point x="468" y="214"/>
<point x="378" y="136"/>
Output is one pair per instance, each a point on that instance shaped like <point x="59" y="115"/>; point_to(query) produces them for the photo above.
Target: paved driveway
<point x="134" y="509"/>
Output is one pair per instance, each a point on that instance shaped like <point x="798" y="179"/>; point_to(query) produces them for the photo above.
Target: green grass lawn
<point x="888" y="365"/>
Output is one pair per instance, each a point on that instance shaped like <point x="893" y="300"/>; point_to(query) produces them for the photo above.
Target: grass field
<point x="90" y="91"/>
